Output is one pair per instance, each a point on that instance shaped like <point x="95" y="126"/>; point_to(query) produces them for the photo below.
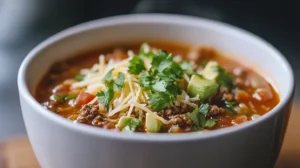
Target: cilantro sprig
<point x="145" y="51"/>
<point x="136" y="65"/>
<point x="198" y="116"/>
<point x="119" y="82"/>
<point x="225" y="78"/>
<point x="159" y="100"/>
<point x="161" y="79"/>
<point x="105" y="96"/>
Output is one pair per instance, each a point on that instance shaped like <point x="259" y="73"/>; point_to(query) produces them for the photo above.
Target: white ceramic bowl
<point x="58" y="143"/>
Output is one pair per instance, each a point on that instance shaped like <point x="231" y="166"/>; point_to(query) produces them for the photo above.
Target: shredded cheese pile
<point x="132" y="97"/>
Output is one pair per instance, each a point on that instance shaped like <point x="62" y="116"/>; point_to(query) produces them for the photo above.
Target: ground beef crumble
<point x="89" y="114"/>
<point x="182" y="121"/>
<point x="169" y="112"/>
<point x="215" y="110"/>
<point x="176" y="115"/>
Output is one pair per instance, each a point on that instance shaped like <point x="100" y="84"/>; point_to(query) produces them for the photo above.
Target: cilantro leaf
<point x="198" y="116"/>
<point x="108" y="78"/>
<point x="168" y="78"/>
<point x="145" y="51"/>
<point x="203" y="109"/>
<point x="146" y="81"/>
<point x="161" y="80"/>
<point x="168" y="66"/>
<point x="63" y="98"/>
<point x="210" y="123"/>
<point x="119" y="82"/>
<point x="159" y="100"/>
<point x="105" y="97"/>
<point x="79" y="77"/>
<point x="158" y="58"/>
<point x="136" y="65"/>
<point x="185" y="65"/>
<point x="165" y="64"/>
<point x="160" y="86"/>
<point x="194" y="116"/>
<point x="173" y="90"/>
<point x="225" y="78"/>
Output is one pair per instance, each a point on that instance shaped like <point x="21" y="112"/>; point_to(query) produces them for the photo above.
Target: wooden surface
<point x="18" y="153"/>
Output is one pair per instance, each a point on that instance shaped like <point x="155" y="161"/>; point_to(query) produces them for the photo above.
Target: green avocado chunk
<point x="202" y="87"/>
<point x="211" y="70"/>
<point x="152" y="123"/>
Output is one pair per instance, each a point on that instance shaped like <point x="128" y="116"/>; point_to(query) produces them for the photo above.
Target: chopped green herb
<point x="108" y="78"/>
<point x="225" y="78"/>
<point x="203" y="109"/>
<point x="198" y="116"/>
<point x="145" y="51"/>
<point x="161" y="79"/>
<point x="136" y="65"/>
<point x="105" y="97"/>
<point x="169" y="66"/>
<point x="210" y="123"/>
<point x="146" y="81"/>
<point x="79" y="77"/>
<point x="158" y="58"/>
<point x="168" y="78"/>
<point x="173" y="90"/>
<point x="63" y="98"/>
<point x="70" y="97"/>
<point x="160" y="86"/>
<point x="159" y="100"/>
<point x="194" y="116"/>
<point x="58" y="98"/>
<point x="119" y="82"/>
<point x="185" y="65"/>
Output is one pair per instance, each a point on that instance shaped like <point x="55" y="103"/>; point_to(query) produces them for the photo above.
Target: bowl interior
<point x="250" y="50"/>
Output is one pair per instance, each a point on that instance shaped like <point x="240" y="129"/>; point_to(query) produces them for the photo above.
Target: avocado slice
<point x="152" y="123"/>
<point x="202" y="87"/>
<point x="211" y="70"/>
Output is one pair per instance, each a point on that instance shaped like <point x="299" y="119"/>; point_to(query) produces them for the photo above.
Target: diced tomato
<point x="83" y="98"/>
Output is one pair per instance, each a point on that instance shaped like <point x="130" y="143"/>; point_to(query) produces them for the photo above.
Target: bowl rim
<point x="153" y="18"/>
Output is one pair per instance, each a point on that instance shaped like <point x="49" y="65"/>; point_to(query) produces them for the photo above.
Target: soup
<point x="156" y="88"/>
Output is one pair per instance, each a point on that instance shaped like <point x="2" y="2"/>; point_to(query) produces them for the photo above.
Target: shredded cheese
<point x="186" y="77"/>
<point x="132" y="97"/>
<point x="142" y="107"/>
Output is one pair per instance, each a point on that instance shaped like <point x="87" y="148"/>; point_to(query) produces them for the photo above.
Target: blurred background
<point x="25" y="23"/>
